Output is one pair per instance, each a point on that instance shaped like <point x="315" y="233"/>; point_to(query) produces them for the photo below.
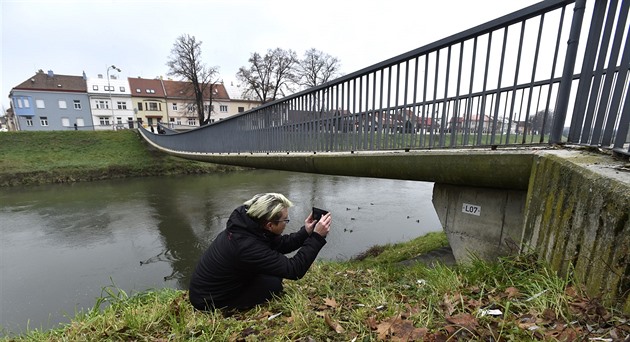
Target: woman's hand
<point x="322" y="227"/>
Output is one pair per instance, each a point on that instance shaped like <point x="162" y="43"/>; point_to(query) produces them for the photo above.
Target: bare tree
<point x="269" y="77"/>
<point x="317" y="68"/>
<point x="185" y="62"/>
<point x="540" y="123"/>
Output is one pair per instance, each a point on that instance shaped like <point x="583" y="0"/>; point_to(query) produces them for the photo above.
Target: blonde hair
<point x="266" y="206"/>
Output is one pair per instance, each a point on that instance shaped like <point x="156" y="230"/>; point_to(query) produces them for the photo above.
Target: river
<point x="61" y="245"/>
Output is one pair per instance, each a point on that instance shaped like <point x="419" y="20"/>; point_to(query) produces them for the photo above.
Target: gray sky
<point x="72" y="36"/>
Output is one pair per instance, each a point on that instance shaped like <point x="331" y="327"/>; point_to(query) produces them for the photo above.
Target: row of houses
<point x="47" y="101"/>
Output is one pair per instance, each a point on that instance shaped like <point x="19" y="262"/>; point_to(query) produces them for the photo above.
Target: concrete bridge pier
<point x="480" y="222"/>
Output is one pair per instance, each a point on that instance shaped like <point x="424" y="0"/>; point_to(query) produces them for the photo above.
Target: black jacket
<point x="244" y="250"/>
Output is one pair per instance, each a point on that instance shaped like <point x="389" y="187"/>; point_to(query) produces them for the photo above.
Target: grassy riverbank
<point x="377" y="298"/>
<point x="28" y="158"/>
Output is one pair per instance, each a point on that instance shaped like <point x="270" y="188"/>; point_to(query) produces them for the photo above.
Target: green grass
<point x="373" y="299"/>
<point x="59" y="157"/>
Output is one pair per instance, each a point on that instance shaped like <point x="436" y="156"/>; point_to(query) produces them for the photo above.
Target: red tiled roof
<point x="146" y="87"/>
<point x="181" y="89"/>
<point x="42" y="81"/>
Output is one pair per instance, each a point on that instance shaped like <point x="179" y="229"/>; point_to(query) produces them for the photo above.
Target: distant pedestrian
<point x="76" y="128"/>
<point x="152" y="131"/>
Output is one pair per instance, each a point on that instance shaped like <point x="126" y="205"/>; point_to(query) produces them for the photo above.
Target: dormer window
<point x="94" y="87"/>
<point x="138" y="90"/>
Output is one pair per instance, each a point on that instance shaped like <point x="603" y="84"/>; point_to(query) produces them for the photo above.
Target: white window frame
<point x="174" y="106"/>
<point x="43" y="120"/>
<point x="121" y="104"/>
<point x="223" y="108"/>
<point x="40" y="103"/>
<point x="80" y="122"/>
<point x="77" y="104"/>
<point x="104" y="120"/>
<point x="102" y="104"/>
<point x="29" y="122"/>
<point x="63" y="104"/>
<point x="65" y="121"/>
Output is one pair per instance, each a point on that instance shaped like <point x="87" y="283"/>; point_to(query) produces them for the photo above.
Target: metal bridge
<point x="552" y="73"/>
<point x="472" y="113"/>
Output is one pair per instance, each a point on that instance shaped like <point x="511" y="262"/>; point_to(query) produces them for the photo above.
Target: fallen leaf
<point x="512" y="292"/>
<point x="333" y="325"/>
<point x="465" y="320"/>
<point x="331" y="302"/>
<point x="371" y="322"/>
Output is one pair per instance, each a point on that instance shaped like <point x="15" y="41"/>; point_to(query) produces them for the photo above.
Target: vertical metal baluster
<point x="610" y="74"/>
<point x="564" y="91"/>
<point x="622" y="82"/>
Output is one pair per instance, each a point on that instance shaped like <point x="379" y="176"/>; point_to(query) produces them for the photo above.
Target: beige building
<point x="148" y="101"/>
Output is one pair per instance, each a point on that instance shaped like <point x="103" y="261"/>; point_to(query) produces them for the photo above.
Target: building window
<point x="27" y="104"/>
<point x="138" y="90"/>
<point x="223" y="108"/>
<point x="178" y="121"/>
<point x="65" y="122"/>
<point x="108" y="88"/>
<point x="140" y="106"/>
<point x="94" y="87"/>
<point x="43" y="120"/>
<point x="122" y="89"/>
<point x="77" y="104"/>
<point x="174" y="106"/>
<point x="103" y="120"/>
<point x="192" y="122"/>
<point x="153" y="106"/>
<point x="241" y="109"/>
<point x="29" y="121"/>
<point x="18" y="102"/>
<point x="121" y="104"/>
<point x="119" y="120"/>
<point x="62" y="104"/>
<point x="40" y="104"/>
<point x="150" y="91"/>
<point x="80" y="122"/>
<point x="102" y="104"/>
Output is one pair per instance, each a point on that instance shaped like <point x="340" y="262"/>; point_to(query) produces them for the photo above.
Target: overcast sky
<point x="72" y="36"/>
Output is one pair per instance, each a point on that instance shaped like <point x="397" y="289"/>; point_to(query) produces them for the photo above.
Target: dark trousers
<point x="259" y="290"/>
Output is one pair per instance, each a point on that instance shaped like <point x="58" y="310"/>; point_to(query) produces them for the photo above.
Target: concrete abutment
<point x="574" y="214"/>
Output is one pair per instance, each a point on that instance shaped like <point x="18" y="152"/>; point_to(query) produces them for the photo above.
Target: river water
<point x="61" y="245"/>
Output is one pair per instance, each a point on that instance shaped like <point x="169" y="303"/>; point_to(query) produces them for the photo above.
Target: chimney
<point x="50" y="73"/>
<point x="84" y="75"/>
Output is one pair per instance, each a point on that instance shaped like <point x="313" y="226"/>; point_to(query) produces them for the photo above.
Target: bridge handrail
<point x="526" y="92"/>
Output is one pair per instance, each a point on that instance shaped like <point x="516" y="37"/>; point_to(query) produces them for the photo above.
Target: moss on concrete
<point x="577" y="219"/>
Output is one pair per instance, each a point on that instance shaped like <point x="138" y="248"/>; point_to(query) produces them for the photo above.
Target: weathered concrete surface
<point x="480" y="222"/>
<point x="577" y="218"/>
<point x="504" y="169"/>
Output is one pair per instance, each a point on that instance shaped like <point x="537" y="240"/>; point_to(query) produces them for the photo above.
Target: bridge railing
<point x="511" y="81"/>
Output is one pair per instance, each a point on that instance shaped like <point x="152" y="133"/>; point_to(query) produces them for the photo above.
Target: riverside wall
<point x="577" y="218"/>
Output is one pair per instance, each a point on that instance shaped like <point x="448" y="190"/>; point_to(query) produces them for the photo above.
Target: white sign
<point x="471" y="209"/>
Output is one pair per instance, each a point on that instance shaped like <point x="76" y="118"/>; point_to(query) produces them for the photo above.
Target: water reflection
<point x="149" y="233"/>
